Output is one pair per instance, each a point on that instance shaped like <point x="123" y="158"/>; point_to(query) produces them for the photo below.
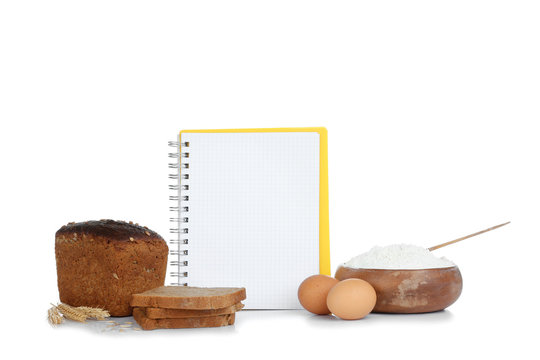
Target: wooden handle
<point x="466" y="237"/>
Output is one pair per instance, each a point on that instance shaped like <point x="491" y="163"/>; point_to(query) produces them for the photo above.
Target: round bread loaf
<point x="102" y="263"/>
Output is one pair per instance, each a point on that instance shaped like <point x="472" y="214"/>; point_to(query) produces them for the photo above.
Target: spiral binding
<point x="180" y="218"/>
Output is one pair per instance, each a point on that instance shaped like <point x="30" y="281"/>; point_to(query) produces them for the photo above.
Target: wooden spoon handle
<point x="466" y="237"/>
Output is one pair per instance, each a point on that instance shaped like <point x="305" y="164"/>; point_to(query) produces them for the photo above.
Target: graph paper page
<point x="253" y="218"/>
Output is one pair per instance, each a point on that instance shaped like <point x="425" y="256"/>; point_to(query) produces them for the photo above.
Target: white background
<point x="431" y="109"/>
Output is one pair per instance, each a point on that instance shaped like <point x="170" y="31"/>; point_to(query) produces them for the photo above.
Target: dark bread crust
<point x="110" y="229"/>
<point x="102" y="263"/>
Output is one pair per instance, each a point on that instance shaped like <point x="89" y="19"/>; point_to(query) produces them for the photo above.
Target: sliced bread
<point x="159" y="313"/>
<point x="186" y="297"/>
<point x="195" y="322"/>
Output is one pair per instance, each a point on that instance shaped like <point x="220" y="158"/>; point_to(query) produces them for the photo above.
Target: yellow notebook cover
<point x="252" y="211"/>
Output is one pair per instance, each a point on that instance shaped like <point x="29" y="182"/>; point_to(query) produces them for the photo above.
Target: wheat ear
<point x="97" y="313"/>
<point x="72" y="313"/>
<point x="54" y="316"/>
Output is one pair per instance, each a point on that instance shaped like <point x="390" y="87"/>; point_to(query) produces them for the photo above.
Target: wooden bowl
<point x="409" y="291"/>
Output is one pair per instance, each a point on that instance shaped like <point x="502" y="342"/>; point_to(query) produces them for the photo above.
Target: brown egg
<point x="312" y="293"/>
<point x="351" y="299"/>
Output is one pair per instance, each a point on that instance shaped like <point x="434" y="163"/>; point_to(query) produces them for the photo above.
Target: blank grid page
<point x="253" y="213"/>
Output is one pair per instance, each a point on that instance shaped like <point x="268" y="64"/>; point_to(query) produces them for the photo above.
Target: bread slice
<point x="159" y="313"/>
<point x="186" y="297"/>
<point x="194" y="322"/>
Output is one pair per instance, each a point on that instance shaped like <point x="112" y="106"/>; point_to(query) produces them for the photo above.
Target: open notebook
<point x="252" y="208"/>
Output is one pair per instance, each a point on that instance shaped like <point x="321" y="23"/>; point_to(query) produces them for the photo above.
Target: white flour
<point x="398" y="256"/>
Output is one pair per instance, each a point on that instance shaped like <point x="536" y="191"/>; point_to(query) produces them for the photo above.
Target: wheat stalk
<point x="54" y="316"/>
<point x="97" y="313"/>
<point x="71" y="312"/>
<point x="80" y="313"/>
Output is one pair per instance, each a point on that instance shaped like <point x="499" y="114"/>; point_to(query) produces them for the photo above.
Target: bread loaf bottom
<point x="194" y="322"/>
